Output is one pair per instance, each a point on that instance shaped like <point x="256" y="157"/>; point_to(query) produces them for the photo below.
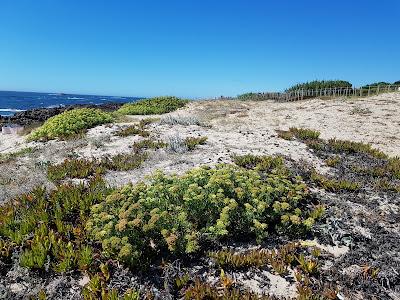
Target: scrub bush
<point x="177" y="214"/>
<point x="152" y="106"/>
<point x="320" y="84"/>
<point x="74" y="168"/>
<point x="70" y="123"/>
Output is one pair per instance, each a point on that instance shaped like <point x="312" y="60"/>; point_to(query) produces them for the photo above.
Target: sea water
<point x="12" y="102"/>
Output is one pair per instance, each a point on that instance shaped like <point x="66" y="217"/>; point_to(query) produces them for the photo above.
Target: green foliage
<point x="334" y="185"/>
<point x="192" y="142"/>
<point x="133" y="130"/>
<point x="147" y="144"/>
<point x="299" y="133"/>
<point x="84" y="168"/>
<point x="70" y="123"/>
<point x="97" y="288"/>
<point x="376" y="84"/>
<point x="340" y="146"/>
<point x="278" y="258"/>
<point x="153" y="106"/>
<point x="332" y="161"/>
<point x="223" y="291"/>
<point x="304" y="134"/>
<point x="167" y="213"/>
<point x="265" y="163"/>
<point x="49" y="227"/>
<point x="247" y="96"/>
<point x="320" y="84"/>
<point x="74" y="168"/>
<point x="124" y="161"/>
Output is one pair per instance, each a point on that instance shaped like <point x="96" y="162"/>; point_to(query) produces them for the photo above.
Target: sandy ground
<point x="232" y="127"/>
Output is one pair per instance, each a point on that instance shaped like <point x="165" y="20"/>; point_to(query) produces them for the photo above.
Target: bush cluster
<point x="320" y="84"/>
<point x="70" y="123"/>
<point x="152" y="106"/>
<point x="167" y="214"/>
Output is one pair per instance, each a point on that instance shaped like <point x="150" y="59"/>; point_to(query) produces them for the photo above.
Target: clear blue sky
<point x="194" y="48"/>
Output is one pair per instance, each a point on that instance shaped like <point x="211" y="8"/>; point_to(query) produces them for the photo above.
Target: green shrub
<point x="124" y="161"/>
<point x="340" y="146"/>
<point x="70" y="123"/>
<point x="334" y="185"/>
<point x="247" y="96"/>
<point x="147" y="144"/>
<point x="192" y="142"/>
<point x="333" y="161"/>
<point x="74" y="168"/>
<point x="300" y="133"/>
<point x="320" y="84"/>
<point x="167" y="213"/>
<point x="304" y="134"/>
<point x="265" y="163"/>
<point x="133" y="130"/>
<point x="376" y="84"/>
<point x="153" y="106"/>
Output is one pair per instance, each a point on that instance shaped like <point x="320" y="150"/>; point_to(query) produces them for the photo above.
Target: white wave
<point x="75" y="98"/>
<point x="11" y="110"/>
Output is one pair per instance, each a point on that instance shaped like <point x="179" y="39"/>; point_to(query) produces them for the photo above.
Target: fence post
<point x="369" y="90"/>
<point x="377" y="90"/>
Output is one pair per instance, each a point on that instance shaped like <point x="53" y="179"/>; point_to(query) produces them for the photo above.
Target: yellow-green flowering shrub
<point x="70" y="122"/>
<point x="175" y="214"/>
<point x="152" y="106"/>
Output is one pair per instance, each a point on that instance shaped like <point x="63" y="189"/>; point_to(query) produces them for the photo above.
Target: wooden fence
<point x="329" y="92"/>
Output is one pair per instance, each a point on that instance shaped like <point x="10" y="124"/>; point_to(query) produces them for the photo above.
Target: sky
<point x="188" y="48"/>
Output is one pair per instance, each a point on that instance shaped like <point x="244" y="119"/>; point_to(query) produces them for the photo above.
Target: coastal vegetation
<point x="70" y="123"/>
<point x="153" y="106"/>
<point x="320" y="84"/>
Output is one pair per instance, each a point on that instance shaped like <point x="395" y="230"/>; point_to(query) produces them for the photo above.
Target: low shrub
<point x="334" y="185"/>
<point x="147" y="144"/>
<point x="69" y="123"/>
<point x="74" y="168"/>
<point x="153" y="106"/>
<point x="340" y="146"/>
<point x="333" y="161"/>
<point x="304" y="134"/>
<point x="166" y="215"/>
<point x="299" y="133"/>
<point x="248" y="96"/>
<point x="265" y="163"/>
<point x="192" y="142"/>
<point x="376" y="84"/>
<point x="133" y="130"/>
<point x="124" y="161"/>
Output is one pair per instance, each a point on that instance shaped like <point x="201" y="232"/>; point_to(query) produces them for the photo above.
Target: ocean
<point x="12" y="102"/>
